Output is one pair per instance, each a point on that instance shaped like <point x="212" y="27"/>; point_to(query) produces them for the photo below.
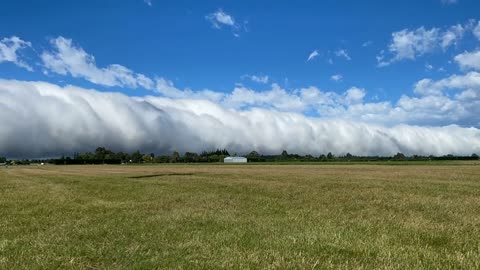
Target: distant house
<point x="235" y="160"/>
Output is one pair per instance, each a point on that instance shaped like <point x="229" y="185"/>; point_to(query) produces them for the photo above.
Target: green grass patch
<point x="261" y="216"/>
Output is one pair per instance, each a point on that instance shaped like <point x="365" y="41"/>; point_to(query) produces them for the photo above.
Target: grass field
<point x="246" y="216"/>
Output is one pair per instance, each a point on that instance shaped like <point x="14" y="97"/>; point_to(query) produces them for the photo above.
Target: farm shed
<point x="235" y="160"/>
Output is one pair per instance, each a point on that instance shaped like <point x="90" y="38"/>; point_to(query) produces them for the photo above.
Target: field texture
<point x="240" y="217"/>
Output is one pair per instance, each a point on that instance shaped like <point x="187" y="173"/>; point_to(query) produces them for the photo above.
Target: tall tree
<point x="399" y="156"/>
<point x="175" y="157"/>
<point x="137" y="157"/>
<point x="100" y="153"/>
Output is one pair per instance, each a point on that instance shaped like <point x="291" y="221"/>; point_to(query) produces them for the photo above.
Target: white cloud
<point x="257" y="78"/>
<point x="454" y="99"/>
<point x="476" y="30"/>
<point x="276" y="98"/>
<point x="67" y="59"/>
<point x="443" y="107"/>
<point x="432" y="105"/>
<point x="367" y="43"/>
<point x="219" y="18"/>
<point x="325" y="103"/>
<point x="354" y="95"/>
<point x="410" y="44"/>
<point x="452" y="36"/>
<point x="9" y="48"/>
<point x="168" y="89"/>
<point x="312" y="55"/>
<point x="469" y="60"/>
<point x="343" y="53"/>
<point x="69" y="119"/>
<point x="466" y="81"/>
<point x="381" y="62"/>
<point x="148" y="2"/>
<point x="336" y="77"/>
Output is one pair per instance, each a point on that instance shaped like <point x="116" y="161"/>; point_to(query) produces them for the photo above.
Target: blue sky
<point x="356" y="60"/>
<point x="172" y="39"/>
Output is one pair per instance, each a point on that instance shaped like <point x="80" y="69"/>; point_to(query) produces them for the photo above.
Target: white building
<point x="235" y="160"/>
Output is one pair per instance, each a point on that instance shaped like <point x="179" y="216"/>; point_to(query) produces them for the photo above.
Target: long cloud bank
<point x="40" y="119"/>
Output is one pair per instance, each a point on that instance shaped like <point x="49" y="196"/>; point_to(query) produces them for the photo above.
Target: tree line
<point x="106" y="156"/>
<point x="102" y="155"/>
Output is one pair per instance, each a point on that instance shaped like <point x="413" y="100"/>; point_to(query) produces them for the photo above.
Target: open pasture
<point x="240" y="216"/>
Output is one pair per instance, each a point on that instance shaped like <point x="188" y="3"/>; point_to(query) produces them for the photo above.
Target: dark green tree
<point x="253" y="156"/>
<point x="191" y="157"/>
<point x="100" y="153"/>
<point x="137" y="157"/>
<point x="399" y="156"/>
<point x="175" y="157"/>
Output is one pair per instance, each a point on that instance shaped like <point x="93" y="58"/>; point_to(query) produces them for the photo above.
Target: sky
<point x="309" y="77"/>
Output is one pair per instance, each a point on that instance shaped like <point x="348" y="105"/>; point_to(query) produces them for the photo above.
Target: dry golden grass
<point x="240" y="216"/>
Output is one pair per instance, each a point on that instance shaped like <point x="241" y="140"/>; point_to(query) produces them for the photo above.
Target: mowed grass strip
<point x="260" y="216"/>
